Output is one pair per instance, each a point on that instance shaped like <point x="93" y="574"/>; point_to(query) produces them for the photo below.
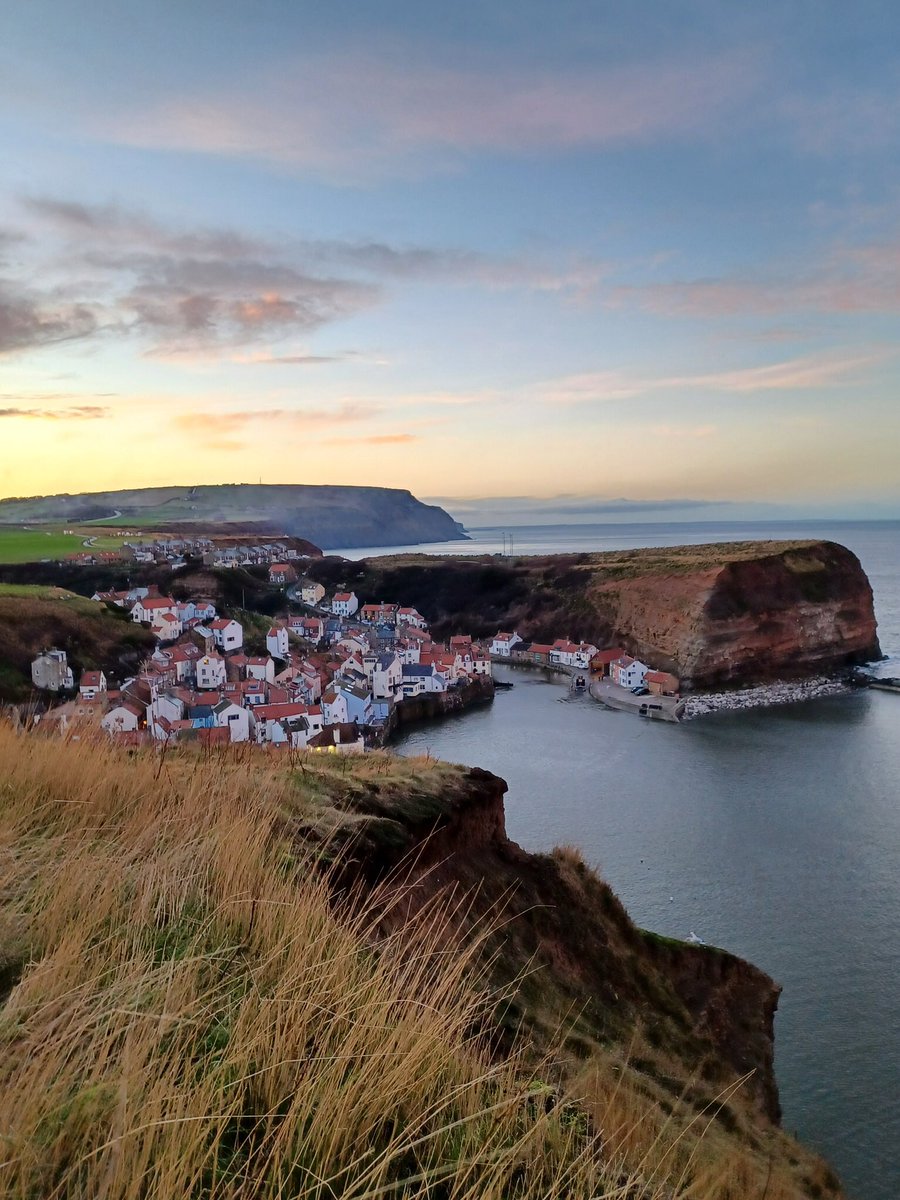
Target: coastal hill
<point x="330" y="516"/>
<point x="237" y="975"/>
<point x="723" y="614"/>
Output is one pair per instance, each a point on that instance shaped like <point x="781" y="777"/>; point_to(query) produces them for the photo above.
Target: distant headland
<point x="333" y="516"/>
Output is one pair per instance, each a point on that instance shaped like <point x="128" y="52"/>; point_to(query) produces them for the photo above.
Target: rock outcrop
<point x="688" y="1028"/>
<point x="564" y="926"/>
<point x="725" y="614"/>
<point x="776" y="612"/>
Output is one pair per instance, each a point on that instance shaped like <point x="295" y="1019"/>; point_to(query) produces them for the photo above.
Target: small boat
<point x="503" y="684"/>
<point x="579" y="683"/>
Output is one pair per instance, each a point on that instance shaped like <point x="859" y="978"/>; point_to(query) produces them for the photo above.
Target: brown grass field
<point x="187" y="1009"/>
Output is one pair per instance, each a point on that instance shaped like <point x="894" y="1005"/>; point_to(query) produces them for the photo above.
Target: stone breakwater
<point x="765" y="696"/>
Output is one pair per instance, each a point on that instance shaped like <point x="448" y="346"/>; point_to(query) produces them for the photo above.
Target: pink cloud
<point x="796" y="374"/>
<point x="857" y="279"/>
<point x="358" y="115"/>
<point x="376" y="439"/>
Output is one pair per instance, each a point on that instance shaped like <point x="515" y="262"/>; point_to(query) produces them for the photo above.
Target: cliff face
<point x="781" y="612"/>
<point x="586" y="960"/>
<point x="687" y="1030"/>
<point x="722" y="614"/>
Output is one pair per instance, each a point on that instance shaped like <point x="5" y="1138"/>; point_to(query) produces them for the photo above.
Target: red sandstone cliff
<point x="729" y="613"/>
<point x="776" y="612"/>
<point x="585" y="959"/>
<point x="688" y="1029"/>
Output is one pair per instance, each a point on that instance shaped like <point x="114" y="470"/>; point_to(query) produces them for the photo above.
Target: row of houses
<point x="174" y="552"/>
<point x="612" y="663"/>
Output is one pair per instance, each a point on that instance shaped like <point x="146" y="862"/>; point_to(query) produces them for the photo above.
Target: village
<point x="337" y="677"/>
<point x="225" y="551"/>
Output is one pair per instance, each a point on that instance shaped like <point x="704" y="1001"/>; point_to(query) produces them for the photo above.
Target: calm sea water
<point x="773" y="833"/>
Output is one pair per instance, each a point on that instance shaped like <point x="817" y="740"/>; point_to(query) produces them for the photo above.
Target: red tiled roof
<point x="608" y="656"/>
<point x="277" y="712"/>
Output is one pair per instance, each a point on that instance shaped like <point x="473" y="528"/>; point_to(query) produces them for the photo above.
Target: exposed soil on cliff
<point x="680" y="1024"/>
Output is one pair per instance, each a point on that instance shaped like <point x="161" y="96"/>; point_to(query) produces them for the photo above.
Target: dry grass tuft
<point x="187" y="1008"/>
<point x="195" y="1015"/>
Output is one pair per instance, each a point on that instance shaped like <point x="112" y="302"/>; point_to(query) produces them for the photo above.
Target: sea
<point x="774" y="833"/>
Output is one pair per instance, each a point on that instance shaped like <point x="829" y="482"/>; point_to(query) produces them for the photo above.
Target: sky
<point x="605" y="260"/>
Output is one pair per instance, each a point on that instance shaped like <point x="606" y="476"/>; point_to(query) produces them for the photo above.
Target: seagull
<point x="694" y="940"/>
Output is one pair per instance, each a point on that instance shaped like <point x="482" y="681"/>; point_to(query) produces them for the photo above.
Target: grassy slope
<point x="35" y="618"/>
<point x="34" y="545"/>
<point x="187" y="1010"/>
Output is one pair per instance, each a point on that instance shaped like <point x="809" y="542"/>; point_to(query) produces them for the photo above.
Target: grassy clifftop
<point x="35" y="618"/>
<point x="193" y="1003"/>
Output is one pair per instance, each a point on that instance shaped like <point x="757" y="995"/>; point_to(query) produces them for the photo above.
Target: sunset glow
<point x="541" y="251"/>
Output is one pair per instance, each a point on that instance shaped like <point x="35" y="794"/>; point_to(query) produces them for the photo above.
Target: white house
<point x="228" y="634"/>
<point x="146" y="607"/>
<point x="281" y="573"/>
<point x="344" y="604"/>
<point x="91" y="684"/>
<point x="311" y="593"/>
<point x="387" y="677"/>
<point x="51" y="671"/>
<point x="417" y="678"/>
<point x="359" y="702"/>
<point x="234" y="718"/>
<point x="411" y="616"/>
<point x="503" y="643"/>
<point x="291" y="731"/>
<point x="166" y="626"/>
<point x="582" y="656"/>
<point x="408" y="651"/>
<point x="122" y="718"/>
<point x="334" y="708"/>
<point x="572" y="654"/>
<point x="277" y="641"/>
<point x="260" y="668"/>
<point x="481" y="661"/>
<point x="210" y="671"/>
<point x="353" y="643"/>
<point x="627" y="671"/>
<point x="164" y="709"/>
<point x="311" y="628"/>
<point x="270" y="720"/>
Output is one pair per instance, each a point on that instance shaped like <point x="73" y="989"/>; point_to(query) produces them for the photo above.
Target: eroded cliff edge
<point x="730" y="613"/>
<point x="680" y="1024"/>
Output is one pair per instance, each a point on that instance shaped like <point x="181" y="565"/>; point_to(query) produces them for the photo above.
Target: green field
<point x="33" y="544"/>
